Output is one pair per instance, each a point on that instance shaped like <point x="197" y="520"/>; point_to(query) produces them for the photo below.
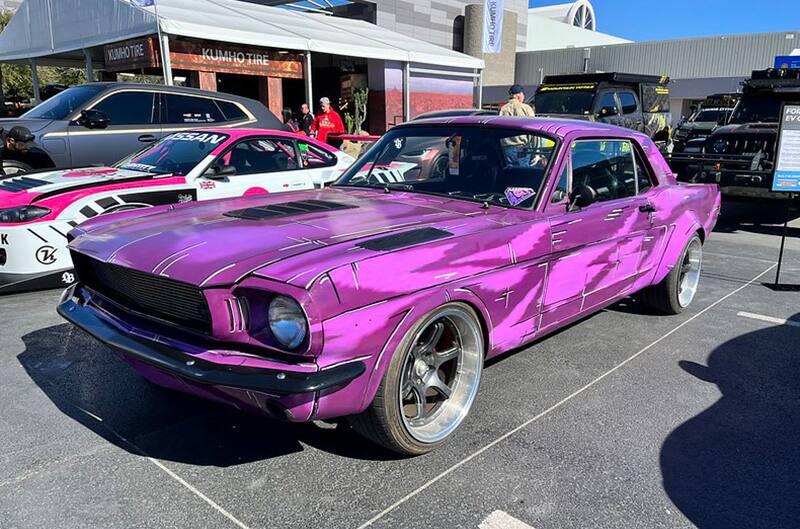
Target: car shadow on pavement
<point x="91" y="385"/>
<point x="737" y="464"/>
<point x="764" y="218"/>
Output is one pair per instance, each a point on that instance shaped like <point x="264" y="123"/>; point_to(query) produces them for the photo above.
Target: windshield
<point x="577" y="102"/>
<point x="757" y="108"/>
<point x="62" y="105"/>
<point x="708" y="116"/>
<point x="176" y="154"/>
<point x="500" y="167"/>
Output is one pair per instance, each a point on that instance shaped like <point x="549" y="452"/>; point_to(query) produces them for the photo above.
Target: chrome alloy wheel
<point x="690" y="272"/>
<point x="440" y="375"/>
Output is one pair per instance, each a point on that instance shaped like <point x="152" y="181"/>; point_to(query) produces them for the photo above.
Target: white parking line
<point x="769" y="319"/>
<point x="502" y="520"/>
<point x="557" y="405"/>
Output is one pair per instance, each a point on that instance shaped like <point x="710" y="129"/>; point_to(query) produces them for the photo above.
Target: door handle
<point x="647" y="208"/>
<point x="147" y="138"/>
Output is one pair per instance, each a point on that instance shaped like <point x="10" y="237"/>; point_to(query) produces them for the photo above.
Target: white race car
<point x="39" y="209"/>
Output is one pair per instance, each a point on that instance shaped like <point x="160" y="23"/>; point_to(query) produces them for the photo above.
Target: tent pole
<point x="406" y="91"/>
<point x="166" y="62"/>
<point x="89" y="66"/>
<point x="480" y="88"/>
<point x="309" y="84"/>
<point x="37" y="95"/>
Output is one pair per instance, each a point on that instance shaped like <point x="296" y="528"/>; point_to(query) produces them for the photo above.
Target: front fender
<point x="678" y="236"/>
<point x="373" y="333"/>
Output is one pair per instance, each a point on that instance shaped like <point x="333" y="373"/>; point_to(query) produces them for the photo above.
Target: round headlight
<point x="719" y="146"/>
<point x="287" y="322"/>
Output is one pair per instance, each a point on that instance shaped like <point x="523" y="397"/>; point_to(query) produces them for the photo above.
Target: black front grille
<point x="286" y="209"/>
<point x="147" y="294"/>
<point x="744" y="145"/>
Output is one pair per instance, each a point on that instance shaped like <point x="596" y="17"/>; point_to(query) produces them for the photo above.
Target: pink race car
<point x="379" y="298"/>
<point x="37" y="210"/>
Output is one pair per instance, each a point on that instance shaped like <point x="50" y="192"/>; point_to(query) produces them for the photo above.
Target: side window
<point x="607" y="166"/>
<point x="188" y="109"/>
<point x="231" y="111"/>
<point x="264" y="155"/>
<point x="628" y="102"/>
<point x="313" y="157"/>
<point x="561" y="192"/>
<point x="607" y="105"/>
<point x="128" y="108"/>
<point x="644" y="179"/>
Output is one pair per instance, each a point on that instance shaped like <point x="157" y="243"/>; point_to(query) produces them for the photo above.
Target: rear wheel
<point x="430" y="384"/>
<point x="678" y="289"/>
<point x="13" y="168"/>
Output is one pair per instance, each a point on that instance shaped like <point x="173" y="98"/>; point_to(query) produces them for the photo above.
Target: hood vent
<point x="23" y="183"/>
<point x="286" y="209"/>
<point x="405" y="239"/>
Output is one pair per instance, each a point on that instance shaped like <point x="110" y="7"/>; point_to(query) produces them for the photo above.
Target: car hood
<point x="211" y="244"/>
<point x="23" y="190"/>
<point x="33" y="125"/>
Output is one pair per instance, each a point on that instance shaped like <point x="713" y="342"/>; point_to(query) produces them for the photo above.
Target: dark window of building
<point x="188" y="109"/>
<point x="128" y="108"/>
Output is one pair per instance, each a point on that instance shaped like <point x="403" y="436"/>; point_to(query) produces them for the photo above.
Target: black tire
<point x="384" y="422"/>
<point x="665" y="297"/>
<point x="13" y="168"/>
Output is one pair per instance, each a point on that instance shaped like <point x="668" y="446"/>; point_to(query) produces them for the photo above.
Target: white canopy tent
<point x="51" y="28"/>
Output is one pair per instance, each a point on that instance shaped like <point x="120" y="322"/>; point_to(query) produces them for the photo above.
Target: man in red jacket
<point x="326" y="122"/>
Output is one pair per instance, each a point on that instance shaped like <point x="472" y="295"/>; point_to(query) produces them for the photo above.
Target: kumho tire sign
<point x="223" y="58"/>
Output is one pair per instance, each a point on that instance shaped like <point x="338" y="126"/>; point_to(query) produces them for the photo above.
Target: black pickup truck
<point x="638" y="102"/>
<point x="740" y="156"/>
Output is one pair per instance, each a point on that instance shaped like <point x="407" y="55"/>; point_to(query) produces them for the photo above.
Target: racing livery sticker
<point x="46" y="255"/>
<point x="518" y="195"/>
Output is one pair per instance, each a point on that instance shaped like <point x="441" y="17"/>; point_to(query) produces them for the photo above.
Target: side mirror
<point x="582" y="197"/>
<point x="607" y="111"/>
<point x="93" y="119"/>
<point x="216" y="172"/>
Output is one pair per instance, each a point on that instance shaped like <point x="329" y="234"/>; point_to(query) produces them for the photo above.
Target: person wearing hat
<point x="517" y="149"/>
<point x="16" y="140"/>
<point x="328" y="121"/>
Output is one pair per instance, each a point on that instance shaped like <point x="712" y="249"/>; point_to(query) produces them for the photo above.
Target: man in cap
<point x="517" y="149"/>
<point x="16" y="140"/>
<point x="328" y="121"/>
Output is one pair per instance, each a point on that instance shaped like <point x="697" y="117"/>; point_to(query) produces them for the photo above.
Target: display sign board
<point x="493" y="26"/>
<point x="224" y="58"/>
<point x="787" y="167"/>
<point x="787" y="61"/>
<point x="131" y="55"/>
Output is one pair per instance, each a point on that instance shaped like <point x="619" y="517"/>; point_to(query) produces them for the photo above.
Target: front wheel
<point x="430" y="384"/>
<point x="678" y="289"/>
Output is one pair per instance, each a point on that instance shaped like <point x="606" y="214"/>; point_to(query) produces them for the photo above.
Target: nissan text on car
<point x="378" y="299"/>
<point x="37" y="210"/>
<point x="100" y="123"/>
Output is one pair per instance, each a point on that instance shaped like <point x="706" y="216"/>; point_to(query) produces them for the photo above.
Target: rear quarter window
<point x="231" y="111"/>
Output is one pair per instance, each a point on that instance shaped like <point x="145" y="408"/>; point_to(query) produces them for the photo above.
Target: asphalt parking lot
<point x="622" y="420"/>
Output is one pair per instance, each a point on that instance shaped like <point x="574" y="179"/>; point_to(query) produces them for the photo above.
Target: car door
<point x="632" y="117"/>
<point x="264" y="164"/>
<point x="596" y="249"/>
<point x="133" y="123"/>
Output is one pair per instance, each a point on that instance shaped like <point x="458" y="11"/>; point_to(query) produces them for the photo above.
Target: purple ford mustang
<point x="378" y="299"/>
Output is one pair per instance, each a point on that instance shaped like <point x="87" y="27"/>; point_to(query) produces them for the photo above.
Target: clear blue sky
<point x="641" y="20"/>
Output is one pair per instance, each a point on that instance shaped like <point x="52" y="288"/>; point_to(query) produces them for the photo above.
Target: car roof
<point x="549" y="126"/>
<point x="108" y="85"/>
<point x="239" y="133"/>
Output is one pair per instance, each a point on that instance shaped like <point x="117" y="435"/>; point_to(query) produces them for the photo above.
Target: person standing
<point x="326" y="122"/>
<point x="517" y="149"/>
<point x="289" y="123"/>
<point x="16" y="140"/>
<point x="306" y="119"/>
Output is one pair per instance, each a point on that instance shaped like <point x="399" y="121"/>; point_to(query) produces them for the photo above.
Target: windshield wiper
<point x="394" y="185"/>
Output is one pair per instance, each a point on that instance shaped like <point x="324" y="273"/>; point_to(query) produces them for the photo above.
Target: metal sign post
<point x="787" y="174"/>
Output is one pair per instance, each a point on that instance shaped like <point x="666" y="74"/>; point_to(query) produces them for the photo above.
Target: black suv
<point x="101" y="123"/>
<point x="740" y="156"/>
<point x="638" y="102"/>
